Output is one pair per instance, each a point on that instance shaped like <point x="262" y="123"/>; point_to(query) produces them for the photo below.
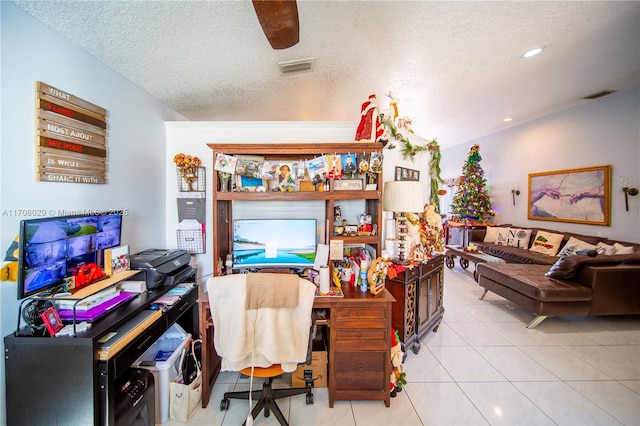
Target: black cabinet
<point x="418" y="308"/>
<point x="61" y="381"/>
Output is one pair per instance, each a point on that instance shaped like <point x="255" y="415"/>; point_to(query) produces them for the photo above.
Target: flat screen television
<point x="270" y="243"/>
<point x="57" y="247"/>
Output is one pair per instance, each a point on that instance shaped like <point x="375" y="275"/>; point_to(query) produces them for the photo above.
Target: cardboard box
<point x="316" y="373"/>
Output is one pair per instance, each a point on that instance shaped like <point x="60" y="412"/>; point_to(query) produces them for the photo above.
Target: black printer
<point x="164" y="267"/>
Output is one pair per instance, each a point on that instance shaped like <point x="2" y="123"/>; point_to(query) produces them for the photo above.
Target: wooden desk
<point x="359" y="346"/>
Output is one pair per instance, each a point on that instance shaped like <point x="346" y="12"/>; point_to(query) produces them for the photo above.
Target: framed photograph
<point x="347" y="185"/>
<point x="375" y="165"/>
<point x="268" y="170"/>
<point x="349" y="166"/>
<point x="248" y="165"/>
<point x="51" y="321"/>
<point x="317" y="166"/>
<point x="116" y="260"/>
<point x="407" y="174"/>
<point x="286" y="174"/>
<point x="225" y="163"/>
<point x="248" y="183"/>
<point x="334" y="163"/>
<point x="574" y="195"/>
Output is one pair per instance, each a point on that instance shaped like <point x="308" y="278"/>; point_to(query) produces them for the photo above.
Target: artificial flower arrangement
<point x="188" y="166"/>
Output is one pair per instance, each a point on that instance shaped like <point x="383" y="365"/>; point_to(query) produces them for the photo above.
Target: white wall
<point x="136" y="144"/>
<point x="192" y="138"/>
<point x="603" y="131"/>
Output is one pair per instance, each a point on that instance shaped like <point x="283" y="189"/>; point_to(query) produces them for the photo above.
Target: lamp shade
<point x="403" y="196"/>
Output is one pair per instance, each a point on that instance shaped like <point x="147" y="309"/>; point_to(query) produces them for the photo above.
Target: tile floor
<point x="483" y="366"/>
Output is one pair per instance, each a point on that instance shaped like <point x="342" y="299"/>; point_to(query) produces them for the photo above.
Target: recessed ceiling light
<point x="507" y="119"/>
<point x="532" y="52"/>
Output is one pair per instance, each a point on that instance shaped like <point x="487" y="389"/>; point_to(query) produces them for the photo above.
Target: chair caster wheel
<point x="309" y="399"/>
<point x="224" y="404"/>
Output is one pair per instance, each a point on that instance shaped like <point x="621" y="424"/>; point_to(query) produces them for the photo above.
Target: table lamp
<point x="403" y="197"/>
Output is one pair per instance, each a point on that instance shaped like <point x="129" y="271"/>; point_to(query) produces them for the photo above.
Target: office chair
<point x="262" y="328"/>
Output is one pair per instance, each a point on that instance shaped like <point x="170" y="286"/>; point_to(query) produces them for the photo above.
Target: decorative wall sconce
<point x="514" y="191"/>
<point x="627" y="191"/>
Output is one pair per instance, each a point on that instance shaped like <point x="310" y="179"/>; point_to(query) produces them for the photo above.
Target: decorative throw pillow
<point x="546" y="243"/>
<point x="605" y="249"/>
<point x="620" y="249"/>
<point x="491" y="235"/>
<point x="519" y="238"/>
<point x="503" y="236"/>
<point x="573" y="245"/>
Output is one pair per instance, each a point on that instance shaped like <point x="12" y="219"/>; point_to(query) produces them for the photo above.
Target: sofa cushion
<point x="591" y="239"/>
<point x="605" y="249"/>
<point x="568" y="266"/>
<point x="636" y="246"/>
<point x="546" y="243"/>
<point x="530" y="280"/>
<point x="574" y="245"/>
<point x="491" y="235"/>
<point x="502" y="236"/>
<point x="620" y="249"/>
<point x="517" y="237"/>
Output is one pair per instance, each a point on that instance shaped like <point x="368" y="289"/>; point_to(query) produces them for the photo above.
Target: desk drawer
<point x="185" y="303"/>
<point x="426" y="268"/>
<point x="355" y="335"/>
<point x="360" y="370"/>
<point x="369" y="317"/>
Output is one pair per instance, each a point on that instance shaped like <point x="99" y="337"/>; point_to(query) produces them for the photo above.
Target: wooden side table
<point x="459" y="233"/>
<point x="419" y="307"/>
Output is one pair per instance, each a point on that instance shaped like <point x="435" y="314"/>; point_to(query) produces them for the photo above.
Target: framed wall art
<point x="574" y="195"/>
<point x="407" y="174"/>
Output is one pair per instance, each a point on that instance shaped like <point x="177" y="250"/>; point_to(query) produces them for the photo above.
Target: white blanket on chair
<point x="274" y="335"/>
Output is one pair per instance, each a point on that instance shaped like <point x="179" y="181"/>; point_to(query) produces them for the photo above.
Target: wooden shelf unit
<point x="359" y="324"/>
<point x="222" y="201"/>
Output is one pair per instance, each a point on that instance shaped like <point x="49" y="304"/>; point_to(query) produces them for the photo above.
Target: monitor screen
<point x="264" y="243"/>
<point x="54" y="248"/>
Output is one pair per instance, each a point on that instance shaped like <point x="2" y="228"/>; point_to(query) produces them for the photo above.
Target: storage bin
<point x="163" y="360"/>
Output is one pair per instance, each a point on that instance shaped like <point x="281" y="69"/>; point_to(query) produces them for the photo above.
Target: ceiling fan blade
<point x="279" y="21"/>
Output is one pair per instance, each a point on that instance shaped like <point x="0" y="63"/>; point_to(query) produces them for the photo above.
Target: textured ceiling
<point x="455" y="66"/>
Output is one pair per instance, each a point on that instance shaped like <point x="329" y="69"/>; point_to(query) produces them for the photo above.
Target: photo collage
<point x="256" y="174"/>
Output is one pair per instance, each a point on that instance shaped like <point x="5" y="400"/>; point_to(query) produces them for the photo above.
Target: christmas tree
<point x="472" y="198"/>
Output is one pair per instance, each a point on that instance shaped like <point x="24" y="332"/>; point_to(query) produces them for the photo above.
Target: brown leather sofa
<point x="571" y="285"/>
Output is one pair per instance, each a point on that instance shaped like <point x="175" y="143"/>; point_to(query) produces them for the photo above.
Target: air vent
<point x="599" y="94"/>
<point x="296" y="66"/>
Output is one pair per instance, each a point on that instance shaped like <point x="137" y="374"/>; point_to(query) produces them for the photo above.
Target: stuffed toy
<point x="397" y="379"/>
<point x="432" y="231"/>
<point x="370" y="129"/>
<point x="425" y="230"/>
<point x="9" y="271"/>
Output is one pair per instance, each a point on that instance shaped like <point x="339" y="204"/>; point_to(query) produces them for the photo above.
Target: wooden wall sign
<point x="71" y="138"/>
